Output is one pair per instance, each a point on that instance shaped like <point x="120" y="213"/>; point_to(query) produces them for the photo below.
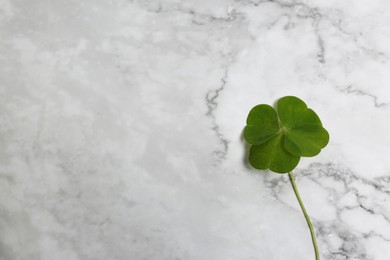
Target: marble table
<point x="121" y="129"/>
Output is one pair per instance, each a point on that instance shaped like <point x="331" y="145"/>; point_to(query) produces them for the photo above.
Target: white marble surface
<point x="121" y="129"/>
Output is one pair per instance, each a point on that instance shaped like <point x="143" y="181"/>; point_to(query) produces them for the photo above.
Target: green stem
<point x="313" y="235"/>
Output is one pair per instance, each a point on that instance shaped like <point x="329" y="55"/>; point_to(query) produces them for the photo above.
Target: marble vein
<point x="352" y="90"/>
<point x="212" y="105"/>
<point x="352" y="240"/>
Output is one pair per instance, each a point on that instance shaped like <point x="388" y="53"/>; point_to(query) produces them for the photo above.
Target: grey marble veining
<point x="121" y="129"/>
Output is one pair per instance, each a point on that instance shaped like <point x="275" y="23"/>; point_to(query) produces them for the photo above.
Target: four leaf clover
<point x="280" y="137"/>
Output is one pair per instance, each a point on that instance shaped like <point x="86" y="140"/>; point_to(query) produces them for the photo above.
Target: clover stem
<point x="313" y="235"/>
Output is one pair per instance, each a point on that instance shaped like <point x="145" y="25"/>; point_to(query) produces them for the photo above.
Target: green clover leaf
<point x="280" y="137"/>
